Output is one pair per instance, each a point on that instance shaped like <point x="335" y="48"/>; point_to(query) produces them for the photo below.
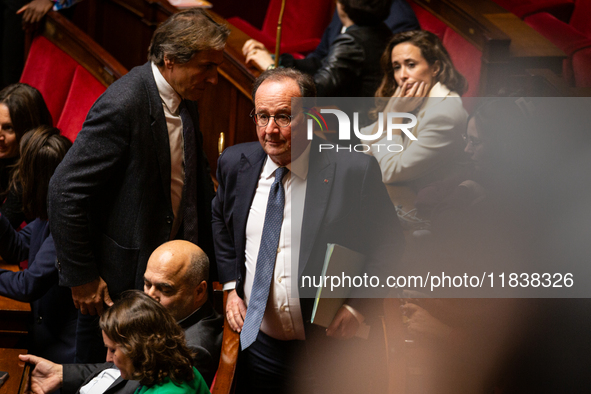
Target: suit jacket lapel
<point x="246" y="184"/>
<point x="320" y="180"/>
<point x="159" y="129"/>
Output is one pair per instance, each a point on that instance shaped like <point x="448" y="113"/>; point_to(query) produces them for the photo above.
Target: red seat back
<point x="84" y="91"/>
<point x="303" y="19"/>
<point x="428" y="21"/>
<point x="580" y="18"/>
<point x="50" y="70"/>
<point x="466" y="58"/>
<point x="581" y="65"/>
<point x="303" y="24"/>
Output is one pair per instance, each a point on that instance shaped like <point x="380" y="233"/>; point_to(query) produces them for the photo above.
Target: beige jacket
<point x="437" y="152"/>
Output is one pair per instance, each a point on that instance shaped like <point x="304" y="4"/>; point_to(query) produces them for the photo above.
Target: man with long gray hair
<point x="137" y="175"/>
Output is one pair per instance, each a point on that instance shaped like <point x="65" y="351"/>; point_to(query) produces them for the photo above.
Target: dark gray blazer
<point x="203" y="331"/>
<point x="346" y="203"/>
<point x="109" y="199"/>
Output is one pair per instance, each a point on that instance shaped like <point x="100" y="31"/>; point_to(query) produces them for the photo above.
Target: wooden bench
<point x="14" y="316"/>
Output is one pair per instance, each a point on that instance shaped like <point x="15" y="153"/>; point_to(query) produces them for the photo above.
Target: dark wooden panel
<point x="13" y="317"/>
<point x="17" y="371"/>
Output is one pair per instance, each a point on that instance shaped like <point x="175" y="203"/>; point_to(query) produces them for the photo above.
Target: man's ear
<point x="201" y="293"/>
<point x="168" y="62"/>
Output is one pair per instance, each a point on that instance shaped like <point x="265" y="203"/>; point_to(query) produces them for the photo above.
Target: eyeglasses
<point x="471" y="141"/>
<point x="262" y="120"/>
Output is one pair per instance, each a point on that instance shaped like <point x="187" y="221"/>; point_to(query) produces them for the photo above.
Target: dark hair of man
<point x="198" y="270"/>
<point x="366" y="12"/>
<point x="41" y="151"/>
<point x="184" y="34"/>
<point x="432" y="50"/>
<point x="304" y="81"/>
<point x="26" y="107"/>
<point x="150" y="337"/>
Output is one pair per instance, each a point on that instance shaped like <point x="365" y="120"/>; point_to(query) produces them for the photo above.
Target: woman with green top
<point x="145" y="344"/>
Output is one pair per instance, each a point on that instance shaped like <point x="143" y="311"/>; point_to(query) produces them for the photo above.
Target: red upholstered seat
<point x="50" y="70"/>
<point x="574" y="39"/>
<point x="428" y="21"/>
<point x="581" y="66"/>
<point x="562" y="35"/>
<point x="84" y="91"/>
<point x="580" y="18"/>
<point x="304" y="22"/>
<point x="70" y="77"/>
<point x="466" y="58"/>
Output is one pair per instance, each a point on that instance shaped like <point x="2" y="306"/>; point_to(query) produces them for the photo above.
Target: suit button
<point x="169" y="219"/>
<point x="39" y="320"/>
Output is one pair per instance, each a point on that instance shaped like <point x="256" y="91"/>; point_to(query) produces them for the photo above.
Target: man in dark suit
<point x="175" y="277"/>
<point x="328" y="198"/>
<point x="137" y="175"/>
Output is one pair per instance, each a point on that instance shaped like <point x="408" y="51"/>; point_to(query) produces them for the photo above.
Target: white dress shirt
<point x="170" y="104"/>
<point x="101" y="382"/>
<point x="283" y="316"/>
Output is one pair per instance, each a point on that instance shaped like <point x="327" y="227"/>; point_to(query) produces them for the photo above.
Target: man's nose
<point x="272" y="126"/>
<point x="468" y="148"/>
<point x="152" y="293"/>
<point x="213" y="78"/>
<point x="109" y="357"/>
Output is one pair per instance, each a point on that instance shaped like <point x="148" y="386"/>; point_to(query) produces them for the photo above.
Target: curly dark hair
<point x="432" y="50"/>
<point x="150" y="337"/>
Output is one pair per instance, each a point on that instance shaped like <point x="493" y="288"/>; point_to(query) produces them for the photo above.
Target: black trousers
<point x="90" y="348"/>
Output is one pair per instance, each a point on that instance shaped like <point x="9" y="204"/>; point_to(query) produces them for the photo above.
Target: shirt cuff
<point x="229" y="285"/>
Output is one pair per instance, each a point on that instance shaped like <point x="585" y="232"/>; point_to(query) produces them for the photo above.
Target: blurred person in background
<point x="53" y="321"/>
<point x="22" y="108"/>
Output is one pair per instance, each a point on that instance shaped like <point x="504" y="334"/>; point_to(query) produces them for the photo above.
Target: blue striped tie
<point x="265" y="261"/>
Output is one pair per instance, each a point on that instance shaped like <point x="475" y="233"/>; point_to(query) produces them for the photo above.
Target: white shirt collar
<point x="168" y="95"/>
<point x="299" y="167"/>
